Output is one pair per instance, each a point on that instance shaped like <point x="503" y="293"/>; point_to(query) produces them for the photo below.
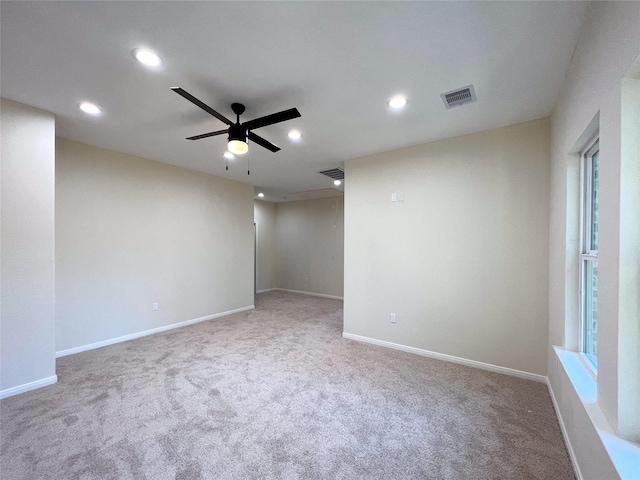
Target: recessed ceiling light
<point x="397" y="101"/>
<point x="147" y="57"/>
<point x="295" y="135"/>
<point x="229" y="155"/>
<point x="261" y="194"/>
<point x="337" y="182"/>
<point x="90" y="108"/>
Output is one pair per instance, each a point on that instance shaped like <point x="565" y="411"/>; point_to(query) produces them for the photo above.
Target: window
<point x="589" y="255"/>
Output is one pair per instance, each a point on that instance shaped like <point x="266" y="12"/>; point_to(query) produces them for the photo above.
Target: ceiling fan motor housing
<point x="237" y="132"/>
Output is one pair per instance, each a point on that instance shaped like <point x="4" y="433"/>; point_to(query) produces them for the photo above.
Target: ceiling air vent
<point x="459" y="97"/>
<point x="335" y="173"/>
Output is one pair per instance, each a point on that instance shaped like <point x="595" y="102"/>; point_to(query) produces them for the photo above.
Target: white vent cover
<point x="335" y="173"/>
<point x="458" y="97"/>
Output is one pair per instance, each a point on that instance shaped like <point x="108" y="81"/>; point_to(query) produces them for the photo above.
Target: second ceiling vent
<point x="335" y="173"/>
<point x="459" y="96"/>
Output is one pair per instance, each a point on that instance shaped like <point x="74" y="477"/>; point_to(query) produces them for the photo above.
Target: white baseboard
<point x="335" y="297"/>
<point x="565" y="435"/>
<point x="449" y="358"/>
<point x="266" y="290"/>
<point x="10" y="392"/>
<point x="111" y="341"/>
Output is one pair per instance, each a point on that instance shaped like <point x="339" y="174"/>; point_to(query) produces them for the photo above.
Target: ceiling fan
<point x="239" y="132"/>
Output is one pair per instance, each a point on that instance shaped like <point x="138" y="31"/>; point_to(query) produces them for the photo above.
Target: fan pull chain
<point x="226" y="161"/>
<point x="248" y="166"/>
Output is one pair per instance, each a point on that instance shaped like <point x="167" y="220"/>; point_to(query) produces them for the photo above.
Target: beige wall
<point x="608" y="44"/>
<point x="27" y="329"/>
<point x="130" y="232"/>
<point x="300" y="245"/>
<point x="264" y="215"/>
<point x="310" y="246"/>
<point x="463" y="260"/>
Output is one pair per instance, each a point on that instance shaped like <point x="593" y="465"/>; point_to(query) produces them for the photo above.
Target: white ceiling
<point x="337" y="62"/>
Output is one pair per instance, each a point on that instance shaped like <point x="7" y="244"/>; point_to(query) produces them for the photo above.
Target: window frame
<point x="587" y="253"/>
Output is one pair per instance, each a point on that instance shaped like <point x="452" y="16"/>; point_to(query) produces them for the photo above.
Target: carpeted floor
<point x="277" y="393"/>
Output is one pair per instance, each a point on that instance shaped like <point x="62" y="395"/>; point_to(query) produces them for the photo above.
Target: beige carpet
<point x="277" y="393"/>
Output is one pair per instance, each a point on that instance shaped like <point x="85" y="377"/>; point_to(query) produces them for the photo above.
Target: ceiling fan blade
<point x="205" y="135"/>
<point x="262" y="142"/>
<point x="271" y="119"/>
<point x="203" y="106"/>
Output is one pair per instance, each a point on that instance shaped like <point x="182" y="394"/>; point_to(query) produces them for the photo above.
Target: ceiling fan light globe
<point x="238" y="147"/>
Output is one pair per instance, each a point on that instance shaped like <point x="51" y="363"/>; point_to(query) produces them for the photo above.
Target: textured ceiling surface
<point x="337" y="62"/>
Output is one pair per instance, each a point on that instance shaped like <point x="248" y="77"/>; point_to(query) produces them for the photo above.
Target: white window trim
<point x="586" y="254"/>
<point x="624" y="454"/>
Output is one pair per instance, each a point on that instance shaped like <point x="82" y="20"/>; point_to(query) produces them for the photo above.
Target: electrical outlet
<point x="393" y="318"/>
<point x="155" y="306"/>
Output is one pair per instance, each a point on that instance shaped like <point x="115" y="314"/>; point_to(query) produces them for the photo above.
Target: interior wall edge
<point x="133" y="336"/>
<point x="313" y="294"/>
<point x="27" y="244"/>
<point x="27" y="387"/>
<point x="449" y="358"/>
<point x="565" y="434"/>
<point x="266" y="290"/>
